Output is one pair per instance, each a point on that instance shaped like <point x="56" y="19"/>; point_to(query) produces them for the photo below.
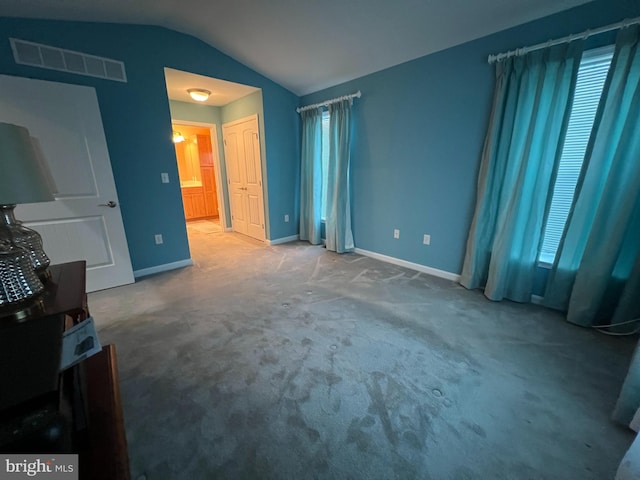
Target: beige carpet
<point x="292" y="362"/>
<point x="203" y="226"/>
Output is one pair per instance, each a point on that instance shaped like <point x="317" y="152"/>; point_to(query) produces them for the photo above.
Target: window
<point x="592" y="74"/>
<point x="325" y="162"/>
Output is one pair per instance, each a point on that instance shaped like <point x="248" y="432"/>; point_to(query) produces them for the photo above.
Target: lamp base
<point x="44" y="275"/>
<point x="13" y="231"/>
<point x="20" y="313"/>
<point x="20" y="288"/>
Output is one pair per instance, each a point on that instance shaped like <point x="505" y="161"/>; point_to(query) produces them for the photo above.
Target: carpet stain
<point x="378" y="407"/>
<point x="356" y="435"/>
<point x="454" y="431"/>
<point x="327" y="378"/>
<point x="333" y="379"/>
<point x="251" y="377"/>
<point x="475" y="428"/>
<point x="368" y="421"/>
<point x="406" y="469"/>
<point x="235" y="421"/>
<point x="298" y="422"/>
<point x="321" y="462"/>
<point x="269" y="358"/>
<point x="255" y="419"/>
<point x="412" y="439"/>
<point x="289" y="385"/>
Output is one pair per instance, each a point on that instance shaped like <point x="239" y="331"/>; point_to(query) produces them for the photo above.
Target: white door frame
<point x="222" y="198"/>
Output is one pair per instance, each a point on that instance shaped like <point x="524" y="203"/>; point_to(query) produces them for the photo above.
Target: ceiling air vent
<point x="45" y="56"/>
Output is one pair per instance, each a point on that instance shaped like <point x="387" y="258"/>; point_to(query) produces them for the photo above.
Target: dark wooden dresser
<point x="78" y="411"/>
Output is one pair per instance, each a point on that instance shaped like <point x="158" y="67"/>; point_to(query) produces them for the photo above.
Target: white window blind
<point x="325" y="161"/>
<point x="592" y="74"/>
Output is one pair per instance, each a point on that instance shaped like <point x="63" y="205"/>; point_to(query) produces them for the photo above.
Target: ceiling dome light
<point x="199" y="94"/>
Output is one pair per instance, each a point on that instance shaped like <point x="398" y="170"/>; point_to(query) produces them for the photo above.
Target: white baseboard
<point x="162" y="268"/>
<point x="278" y="241"/>
<point x="454" y="277"/>
<point x="228" y="229"/>
<point x="537" y="299"/>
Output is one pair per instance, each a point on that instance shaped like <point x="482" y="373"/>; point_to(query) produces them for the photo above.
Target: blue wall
<point x="419" y="132"/>
<point x="137" y="123"/>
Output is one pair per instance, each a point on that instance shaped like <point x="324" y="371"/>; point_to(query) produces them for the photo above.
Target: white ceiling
<point x="222" y="92"/>
<point x="308" y="45"/>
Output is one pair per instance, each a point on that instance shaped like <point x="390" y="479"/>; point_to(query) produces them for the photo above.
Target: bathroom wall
<point x="206" y="114"/>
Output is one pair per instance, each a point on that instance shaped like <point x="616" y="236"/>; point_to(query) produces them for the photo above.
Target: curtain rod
<point x="327" y="102"/>
<point x="569" y="38"/>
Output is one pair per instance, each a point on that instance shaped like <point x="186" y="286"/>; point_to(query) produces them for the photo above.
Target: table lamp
<point x="24" y="178"/>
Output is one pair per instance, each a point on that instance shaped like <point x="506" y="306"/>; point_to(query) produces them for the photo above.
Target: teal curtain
<point x="596" y="274"/>
<point x="338" y="222"/>
<point x="629" y="399"/>
<point x="311" y="176"/>
<point x="530" y="113"/>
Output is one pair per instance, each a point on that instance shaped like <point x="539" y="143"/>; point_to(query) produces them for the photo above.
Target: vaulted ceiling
<point x="308" y="45"/>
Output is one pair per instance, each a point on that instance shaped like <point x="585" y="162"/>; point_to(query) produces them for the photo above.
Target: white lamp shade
<point x="24" y="176"/>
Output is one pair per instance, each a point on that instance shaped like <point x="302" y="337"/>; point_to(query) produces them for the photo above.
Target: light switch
<point x="165" y="177"/>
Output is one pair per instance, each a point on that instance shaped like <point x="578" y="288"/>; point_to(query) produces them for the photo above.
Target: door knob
<point x="110" y="204"/>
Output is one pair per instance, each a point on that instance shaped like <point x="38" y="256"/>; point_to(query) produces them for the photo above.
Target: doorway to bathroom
<point x="197" y="170"/>
<point x="200" y="149"/>
<point x="196" y="146"/>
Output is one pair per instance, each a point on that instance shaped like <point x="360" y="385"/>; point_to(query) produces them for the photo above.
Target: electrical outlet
<point x="396" y="233"/>
<point x="286" y="218"/>
<point x="426" y="239"/>
<point x="159" y="240"/>
<point x="165" y="177"/>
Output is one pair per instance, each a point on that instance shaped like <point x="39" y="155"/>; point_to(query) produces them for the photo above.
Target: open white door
<point x="244" y="174"/>
<point x="80" y="224"/>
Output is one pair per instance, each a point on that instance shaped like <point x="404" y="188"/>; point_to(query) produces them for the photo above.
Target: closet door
<point x="244" y="173"/>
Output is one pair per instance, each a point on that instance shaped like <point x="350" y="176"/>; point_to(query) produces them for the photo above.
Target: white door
<point x="79" y="225"/>
<point x="235" y="180"/>
<point x="244" y="176"/>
